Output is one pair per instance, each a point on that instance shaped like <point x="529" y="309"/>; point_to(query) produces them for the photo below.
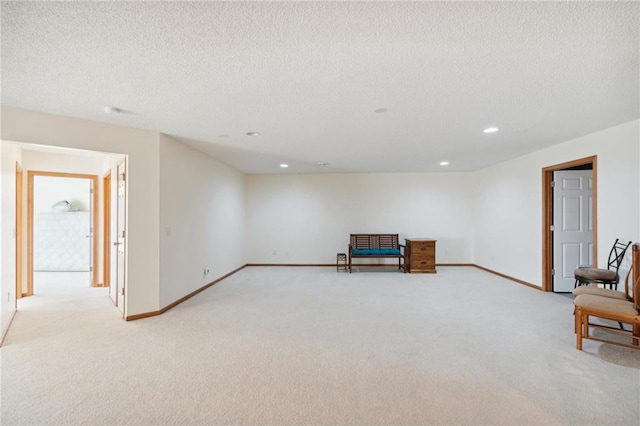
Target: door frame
<point x="547" y="215"/>
<point x="19" y="230"/>
<point x="30" y="177"/>
<point x="106" y="231"/>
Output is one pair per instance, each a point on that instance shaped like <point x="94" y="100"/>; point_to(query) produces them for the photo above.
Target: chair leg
<point x="585" y="325"/>
<point x="636" y="334"/>
<point x="579" y="329"/>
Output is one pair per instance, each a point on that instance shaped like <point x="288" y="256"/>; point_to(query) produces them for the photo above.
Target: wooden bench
<point x="371" y="246"/>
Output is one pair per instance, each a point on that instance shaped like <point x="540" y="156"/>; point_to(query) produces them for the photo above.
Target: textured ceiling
<point x="309" y="75"/>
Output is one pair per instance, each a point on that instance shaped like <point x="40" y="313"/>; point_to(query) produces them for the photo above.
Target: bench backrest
<point x="374" y="241"/>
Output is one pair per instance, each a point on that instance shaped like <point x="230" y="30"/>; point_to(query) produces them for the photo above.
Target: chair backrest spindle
<point x="616" y="255"/>
<point x="635" y="265"/>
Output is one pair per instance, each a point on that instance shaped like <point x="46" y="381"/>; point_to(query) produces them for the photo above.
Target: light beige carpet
<point x="312" y="346"/>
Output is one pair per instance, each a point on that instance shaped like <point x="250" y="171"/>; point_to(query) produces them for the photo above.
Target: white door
<point x="91" y="235"/>
<point x="572" y="225"/>
<point x="118" y="290"/>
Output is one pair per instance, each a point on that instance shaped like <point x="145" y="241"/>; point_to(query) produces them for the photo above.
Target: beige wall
<point x="202" y="219"/>
<point x="508" y="200"/>
<point x="9" y="155"/>
<point x="210" y="233"/>
<point x="142" y="148"/>
<point x="308" y="218"/>
<point x="491" y="217"/>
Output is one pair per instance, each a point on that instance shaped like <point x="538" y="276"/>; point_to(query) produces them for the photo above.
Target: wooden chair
<point x="606" y="277"/>
<point x="611" y="308"/>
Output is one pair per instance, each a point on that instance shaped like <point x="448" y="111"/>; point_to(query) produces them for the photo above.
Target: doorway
<point x="64" y="225"/>
<point x="581" y="179"/>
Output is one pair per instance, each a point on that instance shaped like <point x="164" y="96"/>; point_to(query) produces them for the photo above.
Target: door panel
<point x="120" y="242"/>
<point x="571" y="218"/>
<point x="571" y="255"/>
<point x="573" y="225"/>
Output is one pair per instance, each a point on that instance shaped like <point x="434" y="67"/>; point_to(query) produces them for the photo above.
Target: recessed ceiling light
<point x="284" y="166"/>
<point x="380" y="110"/>
<point x="322" y="163"/>
<point x="253" y="134"/>
<point x="444" y="163"/>
<point x="110" y="109"/>
<point x="491" y="130"/>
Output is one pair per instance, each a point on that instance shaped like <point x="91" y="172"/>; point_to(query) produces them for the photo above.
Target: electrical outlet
<point x="275" y="252"/>
<point x="8" y="296"/>
<point x="206" y="272"/>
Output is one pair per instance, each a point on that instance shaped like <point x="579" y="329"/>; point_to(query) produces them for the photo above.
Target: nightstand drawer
<point x="423" y="256"/>
<point x="422" y="263"/>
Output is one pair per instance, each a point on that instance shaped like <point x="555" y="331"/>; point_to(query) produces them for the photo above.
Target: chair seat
<point x="594" y="274"/>
<point x="597" y="291"/>
<point x="605" y="304"/>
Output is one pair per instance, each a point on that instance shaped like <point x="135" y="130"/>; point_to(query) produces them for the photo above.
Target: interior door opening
<point x="61" y="227"/>
<point x="569" y="221"/>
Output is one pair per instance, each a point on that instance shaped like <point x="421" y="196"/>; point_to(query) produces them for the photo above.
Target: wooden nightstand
<point x="420" y="255"/>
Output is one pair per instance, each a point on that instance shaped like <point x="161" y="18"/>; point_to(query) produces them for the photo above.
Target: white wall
<point x="49" y="190"/>
<point x="142" y="148"/>
<point x="508" y="201"/>
<point x="308" y="218"/>
<point x="68" y="161"/>
<point x="491" y="217"/>
<point x="202" y="219"/>
<point x="9" y="155"/>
